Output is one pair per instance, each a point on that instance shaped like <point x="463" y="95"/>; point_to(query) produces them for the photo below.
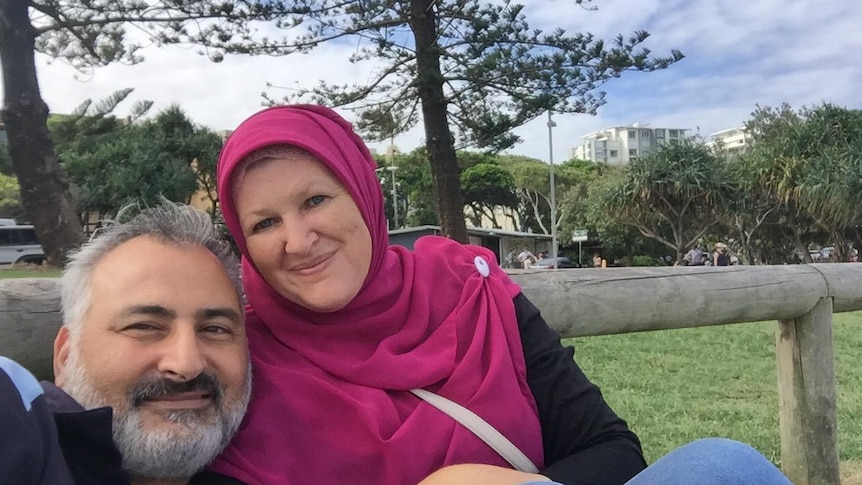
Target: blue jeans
<point x="710" y="461"/>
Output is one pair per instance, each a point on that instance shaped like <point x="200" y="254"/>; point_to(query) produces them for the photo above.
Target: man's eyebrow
<point x="154" y="310"/>
<point x="228" y="313"/>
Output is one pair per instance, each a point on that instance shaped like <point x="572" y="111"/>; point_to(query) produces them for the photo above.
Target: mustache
<point x="205" y="383"/>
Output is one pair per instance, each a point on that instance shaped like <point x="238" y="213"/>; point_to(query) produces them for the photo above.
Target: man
<point x="694" y="257"/>
<point x="151" y="364"/>
<point x="526" y="258"/>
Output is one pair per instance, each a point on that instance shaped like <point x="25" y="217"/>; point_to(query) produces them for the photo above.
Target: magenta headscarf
<point x="330" y="401"/>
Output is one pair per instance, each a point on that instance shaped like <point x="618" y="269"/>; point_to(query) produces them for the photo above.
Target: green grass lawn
<point x="675" y="386"/>
<point x="27" y="271"/>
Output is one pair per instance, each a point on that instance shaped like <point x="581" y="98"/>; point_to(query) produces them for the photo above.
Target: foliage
<point x="618" y="241"/>
<point x="87" y="33"/>
<point x="5" y="162"/>
<point x="10" y="198"/>
<point x="112" y="162"/>
<point x="487" y="186"/>
<point x="672" y="194"/>
<point x="641" y="260"/>
<point x="574" y="181"/>
<point x="499" y="73"/>
<point x="470" y="70"/>
<point x="531" y="179"/>
<point x="415" y="189"/>
<point x="802" y="181"/>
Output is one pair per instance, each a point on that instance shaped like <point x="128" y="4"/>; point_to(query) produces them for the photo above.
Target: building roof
<point x="728" y="131"/>
<point x="636" y="126"/>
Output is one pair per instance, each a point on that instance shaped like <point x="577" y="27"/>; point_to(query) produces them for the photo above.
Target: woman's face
<point x="303" y="231"/>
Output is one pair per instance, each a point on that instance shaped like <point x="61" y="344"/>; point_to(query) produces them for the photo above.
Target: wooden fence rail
<point x="619" y="300"/>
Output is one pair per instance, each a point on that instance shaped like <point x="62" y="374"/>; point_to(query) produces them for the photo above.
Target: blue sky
<point x="738" y="55"/>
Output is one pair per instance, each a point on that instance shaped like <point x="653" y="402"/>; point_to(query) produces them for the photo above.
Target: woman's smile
<point x="313" y="266"/>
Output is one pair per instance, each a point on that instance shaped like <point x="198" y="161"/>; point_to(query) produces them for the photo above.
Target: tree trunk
<point x="44" y="186"/>
<point x="800" y="247"/>
<point x="438" y="137"/>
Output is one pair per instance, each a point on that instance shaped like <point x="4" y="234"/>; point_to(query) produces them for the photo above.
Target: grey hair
<point x="170" y="223"/>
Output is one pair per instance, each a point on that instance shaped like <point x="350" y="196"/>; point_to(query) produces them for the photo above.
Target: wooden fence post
<point x="807" y="397"/>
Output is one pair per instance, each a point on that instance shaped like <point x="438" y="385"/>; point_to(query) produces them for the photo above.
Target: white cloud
<point x="737" y="55"/>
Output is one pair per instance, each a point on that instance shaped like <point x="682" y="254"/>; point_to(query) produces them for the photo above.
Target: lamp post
<point x="394" y="192"/>
<point x="551" y="126"/>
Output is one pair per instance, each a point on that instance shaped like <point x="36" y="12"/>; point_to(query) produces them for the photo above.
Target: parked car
<point x="19" y="245"/>
<point x="562" y="263"/>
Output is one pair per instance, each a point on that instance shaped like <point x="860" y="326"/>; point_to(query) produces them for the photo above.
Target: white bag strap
<point x="480" y="428"/>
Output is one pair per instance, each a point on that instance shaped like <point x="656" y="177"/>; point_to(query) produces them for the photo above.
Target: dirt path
<point x="851" y="473"/>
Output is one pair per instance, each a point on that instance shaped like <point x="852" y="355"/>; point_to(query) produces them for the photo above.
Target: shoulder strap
<point x="480" y="428"/>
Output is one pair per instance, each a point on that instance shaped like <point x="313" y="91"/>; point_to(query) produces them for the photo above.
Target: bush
<point x="643" y="261"/>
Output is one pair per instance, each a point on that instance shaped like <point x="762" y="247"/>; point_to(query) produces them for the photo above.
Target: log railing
<point x="588" y="302"/>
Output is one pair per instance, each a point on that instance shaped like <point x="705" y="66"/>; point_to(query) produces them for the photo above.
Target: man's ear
<point x="62" y="345"/>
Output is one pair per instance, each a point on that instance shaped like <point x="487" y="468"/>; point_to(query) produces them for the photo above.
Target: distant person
<point x="526" y="258"/>
<point x="151" y="363"/>
<point x="597" y="260"/>
<point x="720" y="256"/>
<point x="509" y="261"/>
<point x="694" y="257"/>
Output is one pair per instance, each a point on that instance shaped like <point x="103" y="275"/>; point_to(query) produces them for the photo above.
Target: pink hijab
<point x="330" y="402"/>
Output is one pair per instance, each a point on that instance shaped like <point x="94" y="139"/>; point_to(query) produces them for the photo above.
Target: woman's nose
<point x="298" y="235"/>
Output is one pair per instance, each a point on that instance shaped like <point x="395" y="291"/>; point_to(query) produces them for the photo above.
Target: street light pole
<point x="551" y="126"/>
<point x="393" y="168"/>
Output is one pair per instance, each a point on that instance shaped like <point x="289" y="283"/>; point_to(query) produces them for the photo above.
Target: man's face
<point x="163" y="344"/>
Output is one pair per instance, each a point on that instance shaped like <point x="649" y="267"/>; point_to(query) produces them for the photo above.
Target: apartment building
<point x="730" y="142"/>
<point x="620" y="144"/>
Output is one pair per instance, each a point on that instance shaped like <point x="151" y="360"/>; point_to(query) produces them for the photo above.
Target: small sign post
<point x="579" y="236"/>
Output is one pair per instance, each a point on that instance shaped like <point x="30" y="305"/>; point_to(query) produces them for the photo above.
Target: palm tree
<point x="672" y="195"/>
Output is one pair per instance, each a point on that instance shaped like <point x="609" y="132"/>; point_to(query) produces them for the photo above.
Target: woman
<point x="720" y="256"/>
<point x="342" y="327"/>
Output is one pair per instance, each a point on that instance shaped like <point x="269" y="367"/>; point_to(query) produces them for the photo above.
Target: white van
<point x="18" y="244"/>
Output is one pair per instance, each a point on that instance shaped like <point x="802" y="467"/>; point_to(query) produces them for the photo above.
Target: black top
<point x="585" y="442"/>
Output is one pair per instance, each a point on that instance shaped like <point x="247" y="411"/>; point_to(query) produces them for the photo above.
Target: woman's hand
<point x="475" y="474"/>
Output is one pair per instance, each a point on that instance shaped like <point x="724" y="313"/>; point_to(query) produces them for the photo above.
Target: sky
<point x="738" y="55"/>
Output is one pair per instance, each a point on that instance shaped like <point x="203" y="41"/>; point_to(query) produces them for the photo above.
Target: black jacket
<point x="29" y="445"/>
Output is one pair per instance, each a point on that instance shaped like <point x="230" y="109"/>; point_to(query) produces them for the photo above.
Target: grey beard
<point x="171" y="454"/>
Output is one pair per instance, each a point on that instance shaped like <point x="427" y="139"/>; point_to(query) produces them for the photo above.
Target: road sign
<point x="579" y="235"/>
